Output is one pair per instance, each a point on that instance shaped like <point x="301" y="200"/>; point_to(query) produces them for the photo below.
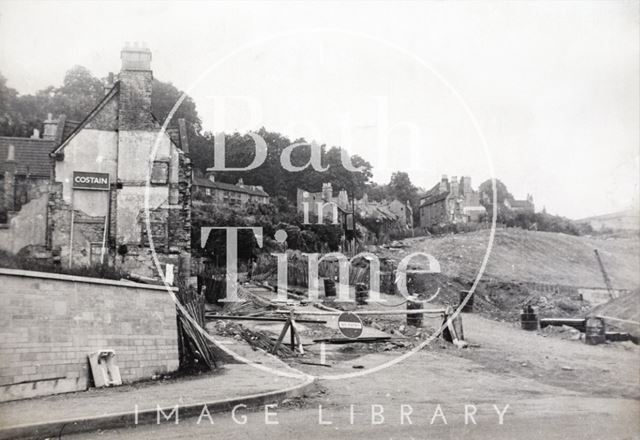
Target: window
<point x="207" y="191"/>
<point x="160" y="172"/>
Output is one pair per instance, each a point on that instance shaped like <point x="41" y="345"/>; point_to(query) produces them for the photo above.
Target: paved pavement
<point x="231" y="381"/>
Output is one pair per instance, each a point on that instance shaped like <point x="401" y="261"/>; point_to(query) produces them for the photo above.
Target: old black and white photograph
<point x="374" y="220"/>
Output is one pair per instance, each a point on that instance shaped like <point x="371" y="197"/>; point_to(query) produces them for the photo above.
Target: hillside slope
<point x="543" y="257"/>
<point x="625" y="307"/>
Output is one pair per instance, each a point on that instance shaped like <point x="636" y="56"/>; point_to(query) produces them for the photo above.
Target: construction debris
<point x="195" y="350"/>
<point x="362" y="340"/>
<point x="258" y="340"/>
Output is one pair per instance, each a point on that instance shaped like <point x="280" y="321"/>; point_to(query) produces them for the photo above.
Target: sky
<point x="544" y="96"/>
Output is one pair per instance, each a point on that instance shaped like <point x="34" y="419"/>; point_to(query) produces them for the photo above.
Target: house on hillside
<point x="207" y="190"/>
<point x="525" y="205"/>
<point x="403" y="211"/>
<point x="383" y="218"/>
<point x="451" y="202"/>
<point x="333" y="209"/>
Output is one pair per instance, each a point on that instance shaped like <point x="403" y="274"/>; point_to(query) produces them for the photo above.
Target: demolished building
<point x="101" y="172"/>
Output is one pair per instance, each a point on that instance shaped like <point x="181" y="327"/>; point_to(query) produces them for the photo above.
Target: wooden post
<point x="71" y="230"/>
<point x="281" y="337"/>
<point x="106" y="226"/>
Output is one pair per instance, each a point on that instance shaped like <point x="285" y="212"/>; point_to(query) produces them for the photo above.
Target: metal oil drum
<point x="594" y="331"/>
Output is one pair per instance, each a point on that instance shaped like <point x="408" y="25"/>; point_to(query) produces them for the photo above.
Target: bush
<point x="280" y="215"/>
<point x="104" y="271"/>
<point x="457" y="228"/>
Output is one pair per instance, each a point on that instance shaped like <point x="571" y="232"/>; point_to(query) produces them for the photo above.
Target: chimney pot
<point x="50" y="128"/>
<point x="135" y="57"/>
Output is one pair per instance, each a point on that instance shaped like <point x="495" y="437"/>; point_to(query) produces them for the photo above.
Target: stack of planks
<point x="195" y="349"/>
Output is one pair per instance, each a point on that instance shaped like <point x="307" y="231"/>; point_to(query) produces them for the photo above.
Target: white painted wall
<point x="96" y="151"/>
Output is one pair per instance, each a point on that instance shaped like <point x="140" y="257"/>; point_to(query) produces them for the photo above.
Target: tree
<point x="376" y="192"/>
<point x="504" y="215"/>
<point x="271" y="175"/>
<point x="80" y="92"/>
<point x="486" y="192"/>
<point x="8" y="117"/>
<point x="401" y="188"/>
<point x="164" y="96"/>
<point x="77" y="96"/>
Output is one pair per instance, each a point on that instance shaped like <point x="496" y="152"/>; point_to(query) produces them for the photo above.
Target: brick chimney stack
<point x="466" y="185"/>
<point x="444" y="184"/>
<point x="454" y="186"/>
<point x="109" y="82"/>
<point x="50" y="128"/>
<point x="136" y="79"/>
<point x="327" y="192"/>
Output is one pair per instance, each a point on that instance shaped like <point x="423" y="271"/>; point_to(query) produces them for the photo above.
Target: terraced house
<point x="208" y="190"/>
<point x="449" y="202"/>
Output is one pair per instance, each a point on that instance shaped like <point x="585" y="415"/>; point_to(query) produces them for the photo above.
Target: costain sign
<point x="94" y="181"/>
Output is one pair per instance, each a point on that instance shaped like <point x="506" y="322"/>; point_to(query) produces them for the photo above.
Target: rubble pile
<point x="564" y="332"/>
<point x="504" y="300"/>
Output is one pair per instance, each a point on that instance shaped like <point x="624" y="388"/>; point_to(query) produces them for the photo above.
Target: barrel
<point x="388" y="283"/>
<point x="529" y="319"/>
<point x="418" y="281"/>
<point x="362" y="293"/>
<point x="594" y="331"/>
<point x="414" y="319"/>
<point x="215" y="289"/>
<point x="329" y="288"/>
<point x="468" y="307"/>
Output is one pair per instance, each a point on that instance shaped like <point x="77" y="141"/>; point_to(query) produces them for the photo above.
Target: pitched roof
<point x="246" y="189"/>
<point x="377" y="211"/>
<point x="65" y="129"/>
<point x="31" y="155"/>
<point x="435" y="189"/>
<point x="430" y="200"/>
<point x="65" y="140"/>
<point x="520" y="204"/>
